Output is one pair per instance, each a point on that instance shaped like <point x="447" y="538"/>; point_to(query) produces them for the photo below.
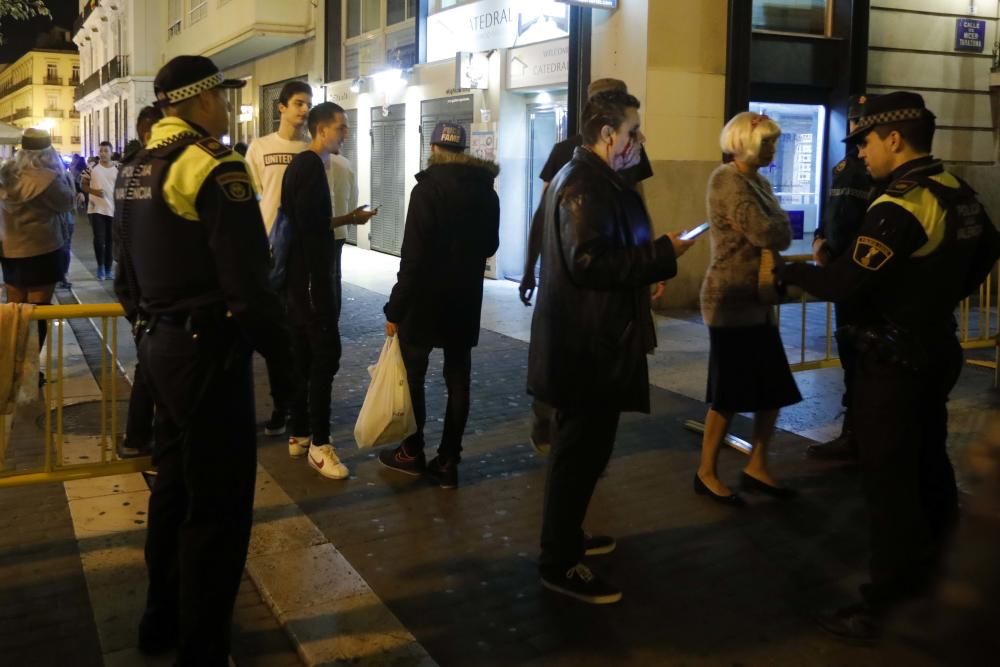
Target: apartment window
<point x="51" y="101"/>
<point x="363" y="16"/>
<point x="198" y="11"/>
<point x="125" y="123"/>
<point x="173" y="18"/>
<point x="76" y="74"/>
<point x="400" y="10"/>
<point x="51" y="71"/>
<point x="802" y="16"/>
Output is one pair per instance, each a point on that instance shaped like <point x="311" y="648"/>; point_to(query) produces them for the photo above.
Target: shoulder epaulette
<point x="173" y="144"/>
<point x="840" y="166"/>
<point x="213" y="147"/>
<point x="901" y="187"/>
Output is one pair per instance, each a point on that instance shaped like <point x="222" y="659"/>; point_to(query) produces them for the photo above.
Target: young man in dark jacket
<point x="592" y="329"/>
<point x="452" y="228"/>
<point x="313" y="292"/>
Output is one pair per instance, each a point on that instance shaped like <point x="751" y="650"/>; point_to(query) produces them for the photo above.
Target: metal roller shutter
<point x="350" y="151"/>
<point x="453" y="109"/>
<point x="387" y="178"/>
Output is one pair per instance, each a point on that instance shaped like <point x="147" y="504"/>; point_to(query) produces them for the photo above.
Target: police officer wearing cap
<point x="194" y="263"/>
<point x="925" y="244"/>
<point x="850" y="193"/>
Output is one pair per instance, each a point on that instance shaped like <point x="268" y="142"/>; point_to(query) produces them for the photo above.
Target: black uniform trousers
<point x="457" y="378"/>
<point x="201" y="506"/>
<point x="581" y="448"/>
<point x="139" y="426"/>
<point x="846" y="315"/>
<point x="901" y="419"/>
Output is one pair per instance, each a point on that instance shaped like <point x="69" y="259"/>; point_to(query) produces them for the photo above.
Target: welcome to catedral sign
<point x="494" y="24"/>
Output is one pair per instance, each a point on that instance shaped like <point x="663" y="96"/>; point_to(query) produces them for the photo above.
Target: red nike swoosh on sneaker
<point x="318" y="464"/>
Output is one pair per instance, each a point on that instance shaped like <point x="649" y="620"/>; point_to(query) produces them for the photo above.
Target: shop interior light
<point x="356" y="85"/>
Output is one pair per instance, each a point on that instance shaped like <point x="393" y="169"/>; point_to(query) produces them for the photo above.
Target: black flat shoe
<point x="733" y="500"/>
<point x="751" y="484"/>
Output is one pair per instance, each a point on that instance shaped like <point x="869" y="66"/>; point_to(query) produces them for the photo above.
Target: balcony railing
<point x="73" y="113"/>
<point x="7" y="90"/>
<point x="53" y="81"/>
<point x="115" y="68"/>
<point x="74" y="140"/>
<point x="74" y="81"/>
<point x="54" y="113"/>
<point x="79" y="21"/>
<point x="57" y="139"/>
<point x="90" y="84"/>
<point x="21" y="113"/>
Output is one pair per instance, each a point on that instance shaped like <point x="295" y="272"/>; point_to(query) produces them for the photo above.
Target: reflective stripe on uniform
<point x="188" y="172"/>
<point x="926" y="208"/>
<point x="850" y="192"/>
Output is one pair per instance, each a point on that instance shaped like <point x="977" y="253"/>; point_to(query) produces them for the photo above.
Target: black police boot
<point x="842" y="448"/>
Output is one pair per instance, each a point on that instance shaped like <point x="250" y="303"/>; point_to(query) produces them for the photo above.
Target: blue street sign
<point x="970" y="35"/>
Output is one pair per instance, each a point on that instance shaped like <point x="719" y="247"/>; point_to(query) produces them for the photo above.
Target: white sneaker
<point x="323" y="459"/>
<point x="298" y="445"/>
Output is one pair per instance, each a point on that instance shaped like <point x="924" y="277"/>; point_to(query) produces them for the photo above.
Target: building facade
<point x="37" y="91"/>
<point x="120" y="50"/>
<point x="512" y="72"/>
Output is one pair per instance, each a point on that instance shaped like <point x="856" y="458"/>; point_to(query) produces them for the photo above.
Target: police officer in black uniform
<point x="925" y="244"/>
<point x="850" y="193"/>
<point x="193" y="270"/>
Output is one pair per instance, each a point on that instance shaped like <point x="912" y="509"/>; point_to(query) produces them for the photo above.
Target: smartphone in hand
<point x="695" y="233"/>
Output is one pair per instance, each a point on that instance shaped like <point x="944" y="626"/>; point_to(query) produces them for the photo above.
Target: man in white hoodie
<point x="268" y="157"/>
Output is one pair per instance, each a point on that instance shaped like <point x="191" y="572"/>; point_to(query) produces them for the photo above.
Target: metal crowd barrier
<point x="53" y="469"/>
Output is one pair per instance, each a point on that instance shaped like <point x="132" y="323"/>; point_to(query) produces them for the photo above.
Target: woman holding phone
<point x="747" y="369"/>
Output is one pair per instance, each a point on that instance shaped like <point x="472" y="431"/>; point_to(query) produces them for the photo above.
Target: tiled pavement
<point x="703" y="585"/>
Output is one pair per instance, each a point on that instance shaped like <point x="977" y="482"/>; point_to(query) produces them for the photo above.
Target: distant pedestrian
<point x="99" y="183"/>
<point x="592" y="329"/>
<point x="452" y="228"/>
<point x="77" y="166"/>
<point x="747" y="367"/>
<point x="36" y="197"/>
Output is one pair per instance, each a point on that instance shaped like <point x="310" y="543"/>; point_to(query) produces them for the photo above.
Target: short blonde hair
<point x="743" y="134"/>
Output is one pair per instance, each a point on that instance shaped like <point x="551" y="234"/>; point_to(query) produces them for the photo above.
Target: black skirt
<point x="748" y="370"/>
<point x="38" y="271"/>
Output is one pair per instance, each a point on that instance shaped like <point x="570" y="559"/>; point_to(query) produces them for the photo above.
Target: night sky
<point x="19" y="36"/>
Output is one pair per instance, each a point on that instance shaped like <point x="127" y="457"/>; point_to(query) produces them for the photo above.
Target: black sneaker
<point x="580" y="583"/>
<point x="277" y="423"/>
<point x="598" y="545"/>
<point x="856" y="624"/>
<point x="443" y="472"/>
<point x="397" y="459"/>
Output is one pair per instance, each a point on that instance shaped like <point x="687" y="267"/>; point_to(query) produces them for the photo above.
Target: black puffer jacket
<point x="592" y="326"/>
<point x="452" y="228"/>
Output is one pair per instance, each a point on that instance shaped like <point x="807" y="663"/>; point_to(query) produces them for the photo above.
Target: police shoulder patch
<point x="235" y="185"/>
<point x="901" y="187"/>
<point x="870" y="253"/>
<point x="840" y="166"/>
<point x="213" y="147"/>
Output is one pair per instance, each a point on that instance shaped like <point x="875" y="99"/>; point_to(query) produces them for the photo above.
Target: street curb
<point x="330" y="613"/>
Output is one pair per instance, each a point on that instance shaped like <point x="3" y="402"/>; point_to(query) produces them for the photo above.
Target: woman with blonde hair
<point x="747" y="370"/>
<point x="36" y="198"/>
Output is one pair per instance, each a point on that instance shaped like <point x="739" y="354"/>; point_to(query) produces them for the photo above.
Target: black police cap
<point x="185" y="76"/>
<point x="889" y="108"/>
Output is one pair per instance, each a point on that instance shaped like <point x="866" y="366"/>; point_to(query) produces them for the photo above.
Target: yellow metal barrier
<point x="53" y="469"/>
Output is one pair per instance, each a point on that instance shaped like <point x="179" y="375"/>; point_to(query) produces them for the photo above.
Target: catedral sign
<point x="538" y="65"/>
<point x="494" y="24"/>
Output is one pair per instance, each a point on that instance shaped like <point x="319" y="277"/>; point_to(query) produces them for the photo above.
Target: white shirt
<point x="268" y="157"/>
<point x="103" y="178"/>
<point x="343" y="189"/>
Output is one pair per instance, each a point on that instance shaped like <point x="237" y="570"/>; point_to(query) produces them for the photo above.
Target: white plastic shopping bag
<point x="387" y="413"/>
